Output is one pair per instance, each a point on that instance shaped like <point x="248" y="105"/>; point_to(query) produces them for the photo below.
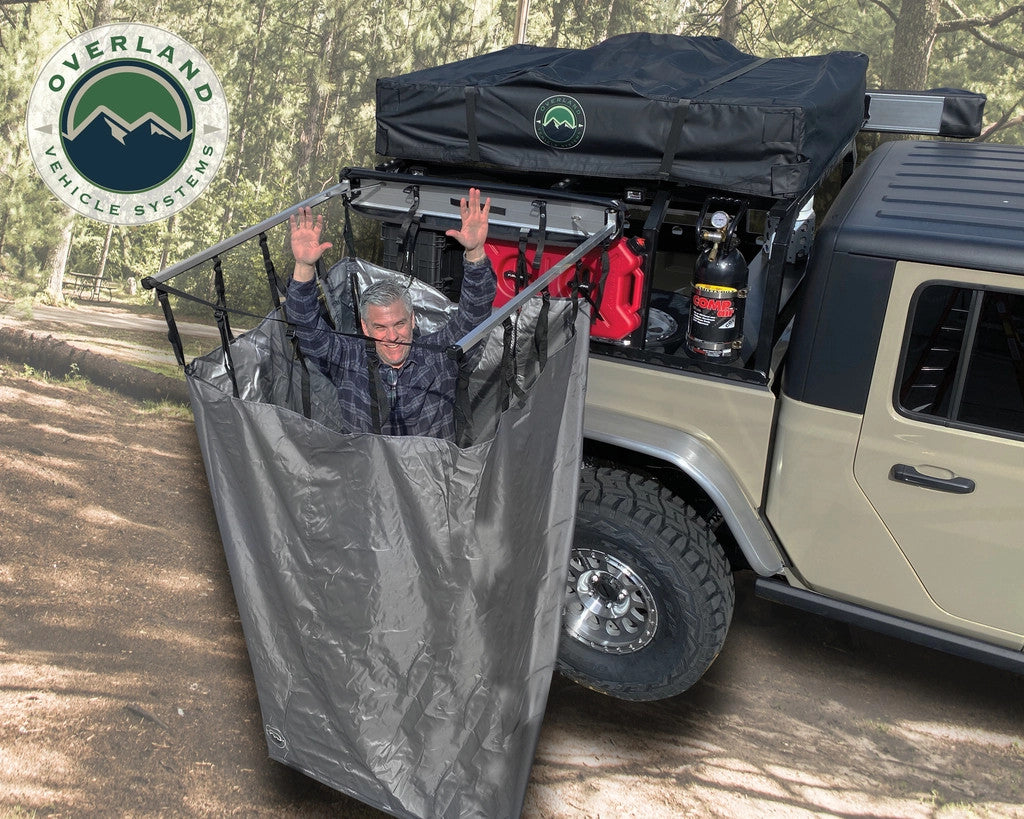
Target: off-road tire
<point x="638" y="547"/>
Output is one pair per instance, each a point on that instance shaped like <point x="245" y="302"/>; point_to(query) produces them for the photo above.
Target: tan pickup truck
<point x="831" y="397"/>
<point x="855" y="437"/>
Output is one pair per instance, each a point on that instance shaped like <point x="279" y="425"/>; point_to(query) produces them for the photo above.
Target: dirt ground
<point x="125" y="688"/>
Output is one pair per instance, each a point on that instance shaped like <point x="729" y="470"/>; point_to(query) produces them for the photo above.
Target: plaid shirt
<point x="423" y="399"/>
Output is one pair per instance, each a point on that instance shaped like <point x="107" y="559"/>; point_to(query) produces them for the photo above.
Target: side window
<point x="963" y="360"/>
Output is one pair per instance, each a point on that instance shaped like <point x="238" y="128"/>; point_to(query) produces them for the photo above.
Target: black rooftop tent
<point x="636" y="106"/>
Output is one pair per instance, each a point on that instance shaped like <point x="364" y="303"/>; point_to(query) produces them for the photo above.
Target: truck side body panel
<point x="733" y="419"/>
<point x="896" y="479"/>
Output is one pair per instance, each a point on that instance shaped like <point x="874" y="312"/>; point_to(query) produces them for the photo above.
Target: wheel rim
<point x="608" y="606"/>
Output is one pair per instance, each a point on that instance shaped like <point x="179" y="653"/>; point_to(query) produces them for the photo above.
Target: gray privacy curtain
<point x="400" y="597"/>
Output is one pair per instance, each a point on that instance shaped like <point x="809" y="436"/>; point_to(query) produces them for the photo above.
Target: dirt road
<point x="114" y="318"/>
<point x="125" y="686"/>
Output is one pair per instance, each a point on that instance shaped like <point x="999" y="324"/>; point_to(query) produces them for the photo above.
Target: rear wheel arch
<point x="694" y="471"/>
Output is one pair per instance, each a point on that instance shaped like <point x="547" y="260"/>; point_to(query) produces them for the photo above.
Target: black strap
<point x="409" y="231"/>
<point x="304" y="387"/>
<point x="353" y="294"/>
<point x="605" y="269"/>
<point x="520" y="276"/>
<point x="473" y="149"/>
<point x="322" y="300"/>
<point x="464" y="433"/>
<point x="409" y="259"/>
<point x="268" y="266"/>
<point x="220" y="313"/>
<point x="574" y="295"/>
<point x="682" y="109"/>
<point x="172" y="328"/>
<point x="378" y="398"/>
<point x="509" y="366"/>
<point x="307" y="404"/>
<point x="592" y="291"/>
<point x="221" y="304"/>
<point x="540" y="335"/>
<point x="350" y="239"/>
<point x="225" y="344"/>
<point x="542" y="226"/>
<point x="507" y="371"/>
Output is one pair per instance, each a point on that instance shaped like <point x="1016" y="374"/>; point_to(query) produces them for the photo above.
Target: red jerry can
<point x="622" y="293"/>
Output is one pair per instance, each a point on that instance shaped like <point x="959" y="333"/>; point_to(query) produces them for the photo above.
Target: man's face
<point x="389" y="325"/>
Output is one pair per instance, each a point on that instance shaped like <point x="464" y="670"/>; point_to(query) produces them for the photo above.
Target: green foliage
<point x="21" y="302"/>
<point x="300" y="78"/>
<point x="166" y="409"/>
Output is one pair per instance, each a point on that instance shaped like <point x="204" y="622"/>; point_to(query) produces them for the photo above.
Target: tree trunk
<point x="557" y="18"/>
<point x="312" y="126"/>
<point x="522" y="18"/>
<point x="3" y="234"/>
<point x="57" y="258"/>
<point x="614" y="12"/>
<point x="60" y="358"/>
<point x="57" y="261"/>
<point x="102" y="265"/>
<point x="242" y="132"/>
<point x="102" y="12"/>
<point x="912" y="43"/>
<point x="166" y="251"/>
<point x="729" y="24"/>
<point x="16" y="162"/>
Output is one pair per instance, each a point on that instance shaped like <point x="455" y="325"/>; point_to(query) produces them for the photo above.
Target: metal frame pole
<point x="249" y="233"/>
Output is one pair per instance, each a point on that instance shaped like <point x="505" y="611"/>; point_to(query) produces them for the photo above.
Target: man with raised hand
<point x="411" y="377"/>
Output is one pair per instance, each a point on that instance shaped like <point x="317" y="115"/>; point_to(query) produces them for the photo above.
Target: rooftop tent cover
<point x="637" y="106"/>
<point x="400" y="597"/>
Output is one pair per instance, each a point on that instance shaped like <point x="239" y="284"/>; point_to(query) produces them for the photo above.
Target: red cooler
<point x="623" y="289"/>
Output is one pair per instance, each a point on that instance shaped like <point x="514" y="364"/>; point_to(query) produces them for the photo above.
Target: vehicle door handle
<point x="907" y="474"/>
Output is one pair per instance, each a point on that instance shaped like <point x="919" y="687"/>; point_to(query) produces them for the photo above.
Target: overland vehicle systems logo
<point x="127" y="124"/>
<point x="560" y="122"/>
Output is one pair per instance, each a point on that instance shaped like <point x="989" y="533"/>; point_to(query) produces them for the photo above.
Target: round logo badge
<point x="127" y="124"/>
<point x="560" y="122"/>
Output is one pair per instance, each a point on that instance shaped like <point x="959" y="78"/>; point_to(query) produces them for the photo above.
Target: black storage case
<point x="637" y="106"/>
<point x="435" y="259"/>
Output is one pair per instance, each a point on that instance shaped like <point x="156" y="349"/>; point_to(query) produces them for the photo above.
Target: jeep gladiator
<point x="852" y="430"/>
<point x="862" y="451"/>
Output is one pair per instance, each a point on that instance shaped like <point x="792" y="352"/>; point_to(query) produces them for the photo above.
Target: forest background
<point x="300" y="76"/>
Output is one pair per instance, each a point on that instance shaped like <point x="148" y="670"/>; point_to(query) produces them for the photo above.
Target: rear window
<point x="963" y="362"/>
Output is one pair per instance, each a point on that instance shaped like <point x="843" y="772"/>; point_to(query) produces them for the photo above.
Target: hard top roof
<point x="952" y="203"/>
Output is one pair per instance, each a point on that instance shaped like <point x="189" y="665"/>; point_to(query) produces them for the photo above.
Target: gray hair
<point x="383" y="294"/>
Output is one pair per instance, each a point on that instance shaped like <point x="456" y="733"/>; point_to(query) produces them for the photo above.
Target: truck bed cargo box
<point x="647" y="106"/>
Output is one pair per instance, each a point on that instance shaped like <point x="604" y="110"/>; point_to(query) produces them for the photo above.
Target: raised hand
<point x="305" y="240"/>
<point x="474" y="225"/>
